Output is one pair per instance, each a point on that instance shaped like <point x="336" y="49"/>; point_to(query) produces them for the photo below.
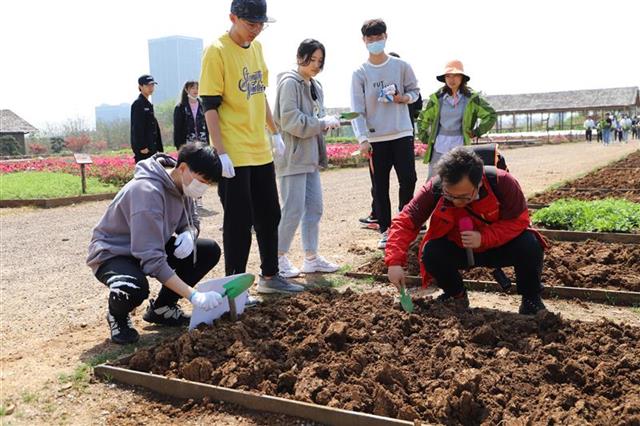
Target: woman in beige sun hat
<point x="454" y="115"/>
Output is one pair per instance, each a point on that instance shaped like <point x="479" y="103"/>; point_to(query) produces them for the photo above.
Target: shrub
<point x="9" y="146"/>
<point x="77" y="143"/>
<point x="609" y="215"/>
<point x="57" y="144"/>
<point x="98" y="146"/>
<point x="37" y="148"/>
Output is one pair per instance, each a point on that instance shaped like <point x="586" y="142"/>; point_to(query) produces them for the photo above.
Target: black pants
<point x="374" y="214"/>
<point x="588" y="135"/>
<point x="138" y="156"/>
<point x="443" y="259"/>
<point x="397" y="153"/>
<point x="129" y="287"/>
<point x="250" y="198"/>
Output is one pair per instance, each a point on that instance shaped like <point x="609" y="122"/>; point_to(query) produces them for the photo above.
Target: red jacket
<point x="503" y="206"/>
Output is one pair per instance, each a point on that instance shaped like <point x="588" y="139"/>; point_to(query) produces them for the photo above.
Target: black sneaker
<point x="461" y="299"/>
<point x="367" y="220"/>
<point x="531" y="305"/>
<point x="170" y="315"/>
<point x="122" y="331"/>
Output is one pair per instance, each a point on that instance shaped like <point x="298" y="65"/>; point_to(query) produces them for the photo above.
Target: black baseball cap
<point x="146" y="79"/>
<point x="251" y="10"/>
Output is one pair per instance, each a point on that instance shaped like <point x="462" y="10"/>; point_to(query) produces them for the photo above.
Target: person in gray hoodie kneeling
<point x="151" y="229"/>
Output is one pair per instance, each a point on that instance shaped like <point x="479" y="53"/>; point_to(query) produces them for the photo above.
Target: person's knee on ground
<point x="528" y="270"/>
<point x="126" y="293"/>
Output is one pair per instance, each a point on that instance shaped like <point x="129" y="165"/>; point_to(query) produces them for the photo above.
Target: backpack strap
<point x="491" y="172"/>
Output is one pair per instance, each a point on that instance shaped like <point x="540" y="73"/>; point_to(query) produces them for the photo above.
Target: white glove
<point x="365" y="148"/>
<point x="227" y="166"/>
<point x="278" y="145"/>
<point x="330" y="122"/>
<point x="184" y="245"/>
<point x="207" y="300"/>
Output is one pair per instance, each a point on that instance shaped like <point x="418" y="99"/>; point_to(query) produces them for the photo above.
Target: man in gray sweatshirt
<point x="151" y="229"/>
<point x="381" y="90"/>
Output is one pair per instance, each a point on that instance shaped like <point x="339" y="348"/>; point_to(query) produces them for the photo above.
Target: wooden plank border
<point x="613" y="297"/>
<point x="186" y="389"/>
<point x="576" y="236"/>
<point x="47" y="203"/>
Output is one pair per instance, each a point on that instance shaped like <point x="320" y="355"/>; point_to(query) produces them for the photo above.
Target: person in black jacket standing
<point x="145" y="131"/>
<point x="189" y="124"/>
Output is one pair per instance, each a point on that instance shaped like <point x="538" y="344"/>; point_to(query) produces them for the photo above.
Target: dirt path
<point x="52" y="308"/>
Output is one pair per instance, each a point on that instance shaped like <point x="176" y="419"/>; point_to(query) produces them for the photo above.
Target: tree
<point x="164" y="115"/>
<point x="116" y="133"/>
<point x="57" y="144"/>
<point x="9" y="145"/>
<point x="77" y="143"/>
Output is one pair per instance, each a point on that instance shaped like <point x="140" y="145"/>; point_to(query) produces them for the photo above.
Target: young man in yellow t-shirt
<point x="232" y="86"/>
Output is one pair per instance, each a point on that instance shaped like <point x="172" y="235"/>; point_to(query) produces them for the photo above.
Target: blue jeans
<point x="606" y="136"/>
<point x="301" y="196"/>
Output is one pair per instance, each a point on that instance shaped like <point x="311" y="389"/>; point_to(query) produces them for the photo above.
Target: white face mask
<point x="193" y="98"/>
<point x="195" y="189"/>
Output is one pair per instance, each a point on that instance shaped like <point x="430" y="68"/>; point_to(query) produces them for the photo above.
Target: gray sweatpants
<point x="301" y="196"/>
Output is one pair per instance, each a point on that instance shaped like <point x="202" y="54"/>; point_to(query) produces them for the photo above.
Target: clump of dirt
<point x="622" y="176"/>
<point x="590" y="264"/>
<point x="440" y="364"/>
<point x="360" y="250"/>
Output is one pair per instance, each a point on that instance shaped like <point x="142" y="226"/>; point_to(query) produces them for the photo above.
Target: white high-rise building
<point x="172" y="61"/>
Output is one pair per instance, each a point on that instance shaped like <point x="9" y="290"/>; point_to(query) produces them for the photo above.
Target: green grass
<point x="609" y="215"/>
<point x="29" y="185"/>
<point x="3" y="411"/>
<point x="110" y="355"/>
<point x="79" y="379"/>
<point x="29" y="397"/>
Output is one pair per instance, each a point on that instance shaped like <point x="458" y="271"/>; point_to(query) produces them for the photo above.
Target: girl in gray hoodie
<point x="299" y="114"/>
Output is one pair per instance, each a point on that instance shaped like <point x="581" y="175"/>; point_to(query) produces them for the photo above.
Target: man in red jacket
<point x="464" y="189"/>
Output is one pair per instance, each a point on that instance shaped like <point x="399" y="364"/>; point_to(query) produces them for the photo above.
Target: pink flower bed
<point x="118" y="169"/>
<point x="340" y="154"/>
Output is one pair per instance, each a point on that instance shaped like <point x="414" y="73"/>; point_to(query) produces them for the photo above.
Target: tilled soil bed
<point x="631" y="160"/>
<point x="548" y="197"/>
<point x="619" y="176"/>
<point x="440" y="364"/>
<point x="590" y="264"/>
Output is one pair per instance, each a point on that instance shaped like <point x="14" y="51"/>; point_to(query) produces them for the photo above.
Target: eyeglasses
<point x="467" y="198"/>
<point x="255" y="27"/>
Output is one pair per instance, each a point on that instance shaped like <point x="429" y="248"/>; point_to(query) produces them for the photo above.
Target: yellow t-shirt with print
<point x="240" y="76"/>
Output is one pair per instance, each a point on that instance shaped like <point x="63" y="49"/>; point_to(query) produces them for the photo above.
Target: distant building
<point x="13" y="125"/>
<point x="109" y="113"/>
<point x="172" y="61"/>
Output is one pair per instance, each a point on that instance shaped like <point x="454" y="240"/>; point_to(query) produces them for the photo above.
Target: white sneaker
<point x="286" y="268"/>
<point x="382" y="243"/>
<point x="318" y="264"/>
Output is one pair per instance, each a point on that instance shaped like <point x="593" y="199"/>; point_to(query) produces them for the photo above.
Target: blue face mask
<point x="376" y="47"/>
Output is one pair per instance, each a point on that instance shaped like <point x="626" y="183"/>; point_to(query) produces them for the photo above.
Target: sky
<point x="62" y="58"/>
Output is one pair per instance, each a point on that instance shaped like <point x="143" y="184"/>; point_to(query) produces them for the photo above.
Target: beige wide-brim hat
<point x="453" y="67"/>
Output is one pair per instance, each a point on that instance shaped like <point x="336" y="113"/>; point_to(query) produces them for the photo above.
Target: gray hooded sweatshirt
<point x="296" y="114"/>
<point x="142" y="217"/>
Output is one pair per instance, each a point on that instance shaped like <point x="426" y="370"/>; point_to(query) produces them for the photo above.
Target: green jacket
<point x="477" y="108"/>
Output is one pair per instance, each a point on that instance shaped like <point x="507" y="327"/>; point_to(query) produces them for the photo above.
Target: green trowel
<point x="238" y="285"/>
<point x="405" y="300"/>
<point x="349" y="115"/>
<point x="235" y="288"/>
